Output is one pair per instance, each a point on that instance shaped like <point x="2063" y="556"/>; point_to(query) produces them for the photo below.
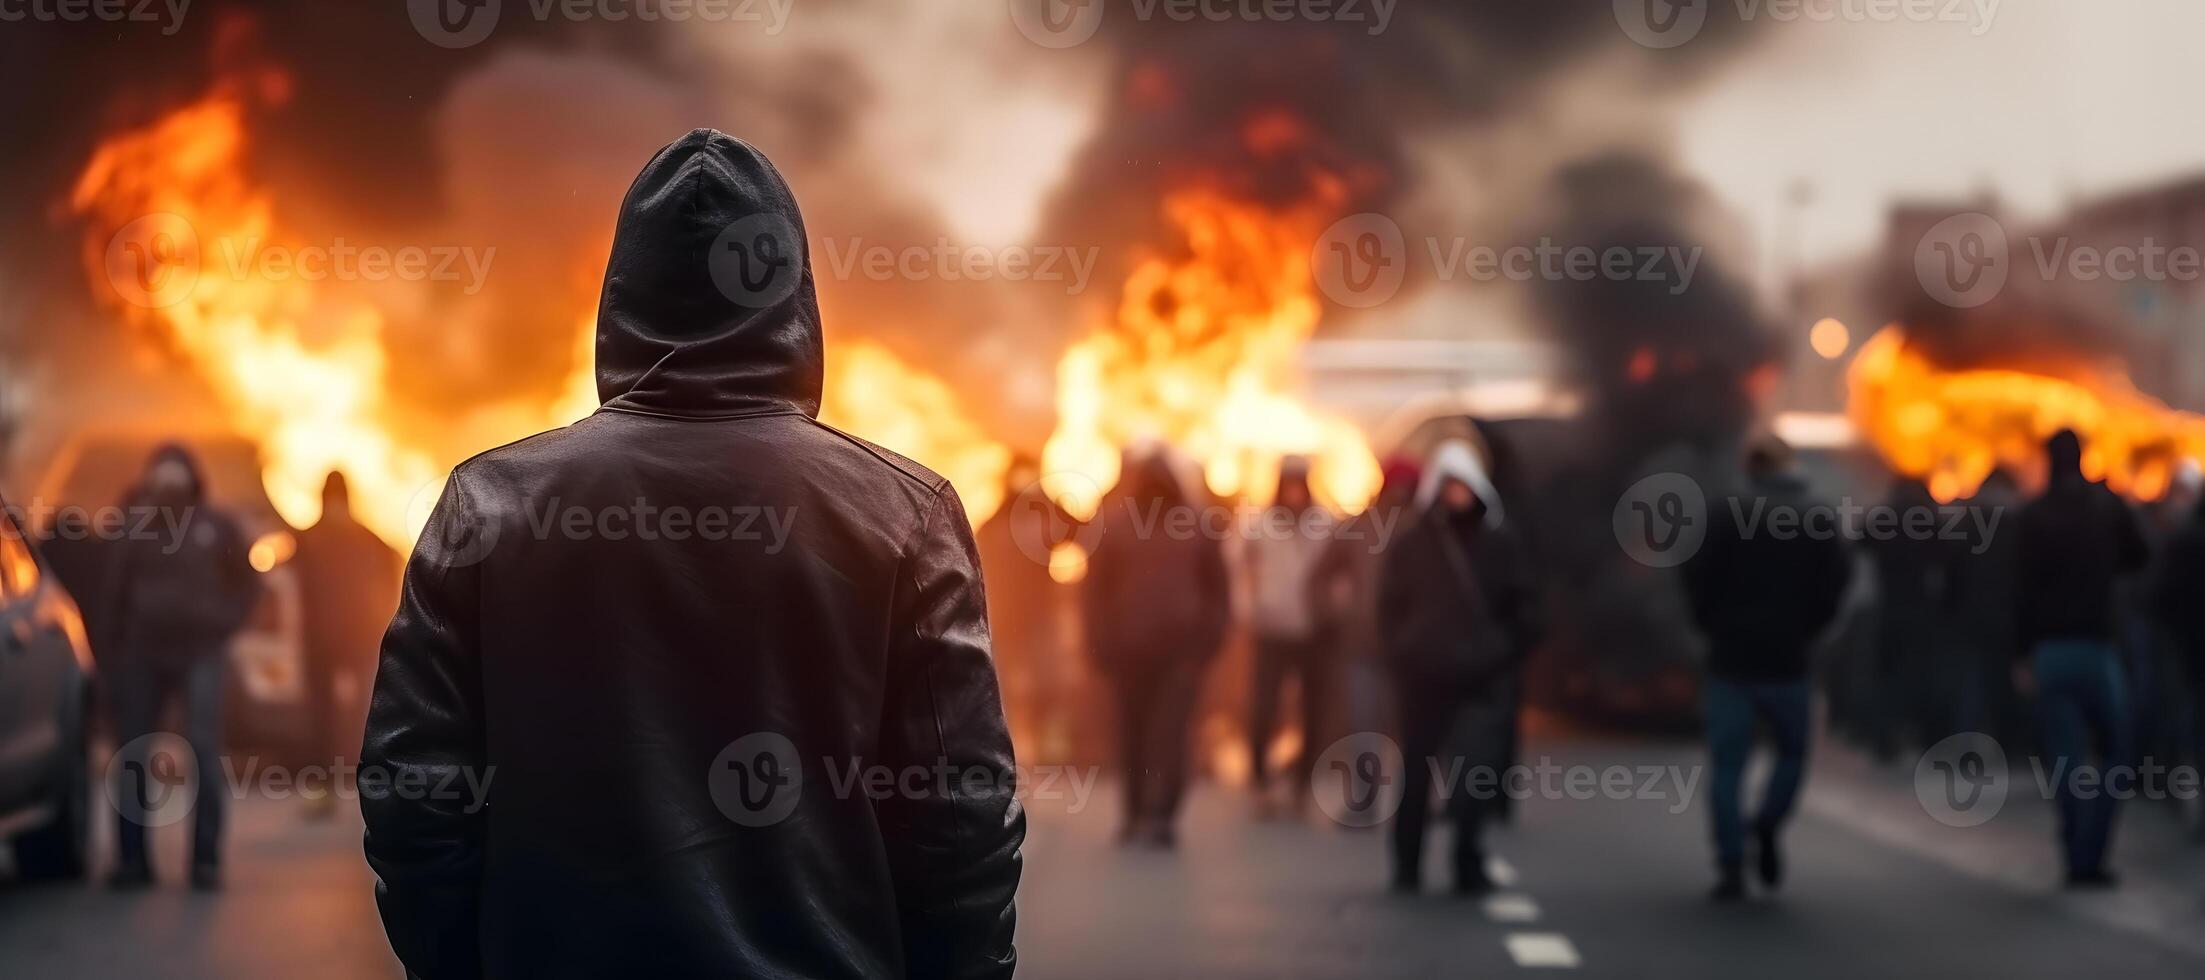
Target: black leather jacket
<point x="666" y="696"/>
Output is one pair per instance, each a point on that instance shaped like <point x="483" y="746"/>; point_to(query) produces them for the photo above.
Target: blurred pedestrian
<point x="1156" y="604"/>
<point x="2077" y="541"/>
<point x="348" y="587"/>
<point x="1281" y="548"/>
<point x="1347" y="585"/>
<point x="616" y="743"/>
<point x="1762" y="597"/>
<point x="173" y="603"/>
<point x="1458" y="613"/>
<point x="1985" y="583"/>
<point x="1912" y="576"/>
<point x="2176" y="600"/>
<point x="1024" y="616"/>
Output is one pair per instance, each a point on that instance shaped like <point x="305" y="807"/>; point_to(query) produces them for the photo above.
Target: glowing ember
<point x="874" y="394"/>
<point x="1202" y="354"/>
<point x="1953" y="427"/>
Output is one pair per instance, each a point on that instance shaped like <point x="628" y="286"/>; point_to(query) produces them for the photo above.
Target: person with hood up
<point x="348" y="584"/>
<point x="1155" y="604"/>
<point x="1762" y="600"/>
<point x="2076" y="543"/>
<point x="609" y="741"/>
<point x="172" y="604"/>
<point x="1459" y="612"/>
<point x="1281" y="550"/>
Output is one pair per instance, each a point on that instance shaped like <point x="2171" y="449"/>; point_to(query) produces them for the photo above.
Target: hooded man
<point x="348" y="583"/>
<point x="173" y="602"/>
<point x="1458" y="615"/>
<point x="1762" y="600"/>
<point x="2077" y="542"/>
<point x="1282" y="549"/>
<point x="650" y="673"/>
<point x="1156" y="603"/>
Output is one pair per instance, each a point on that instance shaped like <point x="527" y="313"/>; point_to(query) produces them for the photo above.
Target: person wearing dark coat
<point x="1913" y="578"/>
<point x="1024" y="615"/>
<point x="1985" y="578"/>
<point x="1155" y="604"/>
<point x="2176" y="601"/>
<point x="173" y="602"/>
<point x="1458" y="613"/>
<point x="348" y="585"/>
<point x="1762" y="595"/>
<point x="2076" y="543"/>
<point x="639" y="662"/>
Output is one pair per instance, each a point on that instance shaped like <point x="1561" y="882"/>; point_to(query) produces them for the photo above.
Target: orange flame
<point x="875" y="394"/>
<point x="1953" y="427"/>
<point x="1201" y="353"/>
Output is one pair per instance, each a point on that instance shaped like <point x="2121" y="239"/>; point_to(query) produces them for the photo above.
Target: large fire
<point x="1952" y="428"/>
<point x="1201" y="353"/>
<point x="299" y="365"/>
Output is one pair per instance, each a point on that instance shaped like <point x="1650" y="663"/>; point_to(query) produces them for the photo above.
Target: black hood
<point x="2063" y="457"/>
<point x="170" y="452"/>
<point x="708" y="308"/>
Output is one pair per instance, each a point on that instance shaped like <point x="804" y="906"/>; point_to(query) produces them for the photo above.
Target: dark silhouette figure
<point x="1155" y="604"/>
<point x="348" y="585"/>
<point x="176" y="598"/>
<point x="1985" y="587"/>
<point x="1024" y="615"/>
<point x="1762" y="597"/>
<point x="1347" y="586"/>
<point x="1913" y="577"/>
<point x="638" y="662"/>
<point x="1458" y="614"/>
<point x="1282" y="552"/>
<point x="2077" y="542"/>
<point x="2175" y="600"/>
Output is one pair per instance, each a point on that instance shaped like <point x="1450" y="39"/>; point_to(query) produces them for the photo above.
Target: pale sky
<point x="2055" y="101"/>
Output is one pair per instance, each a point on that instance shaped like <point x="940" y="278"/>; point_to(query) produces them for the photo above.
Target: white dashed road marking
<point x="1512" y="908"/>
<point x="1542" y="949"/>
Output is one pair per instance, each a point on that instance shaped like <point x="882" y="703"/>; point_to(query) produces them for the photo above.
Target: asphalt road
<point x="1598" y="887"/>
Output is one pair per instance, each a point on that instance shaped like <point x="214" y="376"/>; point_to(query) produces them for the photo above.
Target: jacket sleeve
<point x="954" y="848"/>
<point x="424" y="735"/>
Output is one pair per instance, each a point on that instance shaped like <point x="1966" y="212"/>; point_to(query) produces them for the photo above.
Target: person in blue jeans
<point x="2076" y="543"/>
<point x="1769" y="577"/>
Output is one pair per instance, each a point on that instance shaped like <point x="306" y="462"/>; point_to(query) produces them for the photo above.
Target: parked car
<point x="46" y="674"/>
<point x="266" y="692"/>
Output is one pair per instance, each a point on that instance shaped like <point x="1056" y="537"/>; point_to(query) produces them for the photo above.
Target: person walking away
<point x="639" y="721"/>
<point x="173" y="604"/>
<point x="2077" y="541"/>
<point x="1023" y="613"/>
<point x="1985" y="577"/>
<point x="2175" y="600"/>
<point x="1458" y="614"/>
<point x="1912" y="578"/>
<point x="348" y="586"/>
<point x="1762" y="599"/>
<point x="1156" y="604"/>
<point x="1347" y="586"/>
<point x="1282" y="547"/>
